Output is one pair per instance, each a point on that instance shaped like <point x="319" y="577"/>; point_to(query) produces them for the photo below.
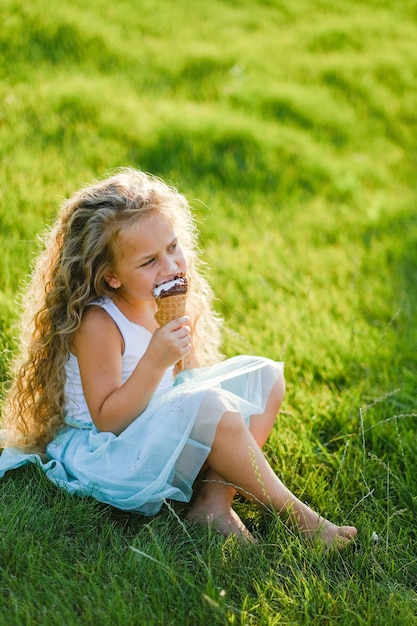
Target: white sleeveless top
<point x="136" y="340"/>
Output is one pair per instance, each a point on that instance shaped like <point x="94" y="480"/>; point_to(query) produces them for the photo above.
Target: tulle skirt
<point x="159" y="455"/>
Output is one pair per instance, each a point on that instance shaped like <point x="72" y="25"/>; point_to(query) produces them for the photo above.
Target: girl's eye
<point x="173" y="246"/>
<point x="149" y="262"/>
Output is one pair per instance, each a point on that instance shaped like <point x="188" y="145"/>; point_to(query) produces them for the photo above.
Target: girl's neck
<point x="141" y="313"/>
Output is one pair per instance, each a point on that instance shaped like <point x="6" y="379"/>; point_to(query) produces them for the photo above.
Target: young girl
<point x="97" y="400"/>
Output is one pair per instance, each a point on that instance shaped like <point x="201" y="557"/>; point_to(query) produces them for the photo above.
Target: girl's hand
<point x="171" y="342"/>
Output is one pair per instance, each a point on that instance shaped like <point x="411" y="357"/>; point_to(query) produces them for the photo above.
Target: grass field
<point x="292" y="129"/>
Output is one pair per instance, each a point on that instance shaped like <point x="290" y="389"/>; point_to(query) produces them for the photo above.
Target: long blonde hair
<point x="69" y="274"/>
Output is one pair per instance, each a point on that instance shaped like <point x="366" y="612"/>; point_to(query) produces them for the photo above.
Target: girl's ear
<point x="112" y="280"/>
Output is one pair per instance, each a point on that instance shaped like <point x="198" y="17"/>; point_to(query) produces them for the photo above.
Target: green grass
<point x="291" y="127"/>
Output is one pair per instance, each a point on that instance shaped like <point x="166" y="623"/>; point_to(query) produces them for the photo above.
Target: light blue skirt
<point x="160" y="454"/>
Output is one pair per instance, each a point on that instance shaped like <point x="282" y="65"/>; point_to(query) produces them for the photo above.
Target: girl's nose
<point x="169" y="265"/>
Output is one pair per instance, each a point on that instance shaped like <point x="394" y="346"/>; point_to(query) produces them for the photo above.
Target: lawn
<point x="292" y="130"/>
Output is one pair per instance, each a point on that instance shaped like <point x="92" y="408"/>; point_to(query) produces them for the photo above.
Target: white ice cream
<point x="166" y="286"/>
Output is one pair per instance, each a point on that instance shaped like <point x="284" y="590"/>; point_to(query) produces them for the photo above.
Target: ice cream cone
<point x="171" y="306"/>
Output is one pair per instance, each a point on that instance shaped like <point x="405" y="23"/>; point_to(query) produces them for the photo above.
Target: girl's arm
<point x="98" y="346"/>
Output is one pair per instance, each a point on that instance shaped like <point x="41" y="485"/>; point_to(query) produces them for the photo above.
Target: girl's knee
<point x="273" y="377"/>
<point x="231" y="422"/>
<point x="280" y="386"/>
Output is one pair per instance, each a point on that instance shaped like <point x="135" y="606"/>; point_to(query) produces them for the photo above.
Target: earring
<point x="115" y="286"/>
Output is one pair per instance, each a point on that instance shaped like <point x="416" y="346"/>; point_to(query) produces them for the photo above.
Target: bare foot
<point x="225" y="522"/>
<point x="331" y="535"/>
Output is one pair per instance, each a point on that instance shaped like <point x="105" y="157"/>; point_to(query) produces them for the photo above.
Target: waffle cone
<point x="170" y="308"/>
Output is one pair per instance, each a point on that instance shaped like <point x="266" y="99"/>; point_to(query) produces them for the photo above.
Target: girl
<point x="97" y="401"/>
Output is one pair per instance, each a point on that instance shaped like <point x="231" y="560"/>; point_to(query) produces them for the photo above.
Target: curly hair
<point x="79" y="250"/>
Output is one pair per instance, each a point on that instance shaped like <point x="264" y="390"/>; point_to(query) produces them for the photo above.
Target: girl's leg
<point x="213" y="501"/>
<point x="236" y="457"/>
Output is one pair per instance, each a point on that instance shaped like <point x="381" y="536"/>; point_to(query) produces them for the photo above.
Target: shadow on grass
<point x="231" y="159"/>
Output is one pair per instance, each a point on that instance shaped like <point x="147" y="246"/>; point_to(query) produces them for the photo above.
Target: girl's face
<point x="150" y="254"/>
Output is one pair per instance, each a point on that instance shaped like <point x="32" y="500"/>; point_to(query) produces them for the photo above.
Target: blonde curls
<point x="69" y="274"/>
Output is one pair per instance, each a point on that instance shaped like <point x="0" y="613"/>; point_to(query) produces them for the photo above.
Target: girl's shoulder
<point x="101" y="311"/>
<point x="97" y="326"/>
<point x="95" y="314"/>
